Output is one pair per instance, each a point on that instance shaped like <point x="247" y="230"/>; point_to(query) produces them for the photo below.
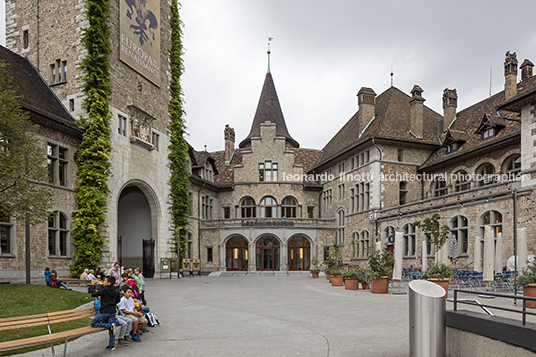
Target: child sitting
<point x="127" y="309"/>
<point x="128" y="280"/>
<point x="54" y="282"/>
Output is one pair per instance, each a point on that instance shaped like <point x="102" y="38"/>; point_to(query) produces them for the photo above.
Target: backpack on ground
<point x="152" y="319"/>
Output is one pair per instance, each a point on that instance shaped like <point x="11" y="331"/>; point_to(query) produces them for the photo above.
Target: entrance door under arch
<point x="299" y="253"/>
<point x="267" y="253"/>
<point x="236" y="254"/>
<point x="133" y="226"/>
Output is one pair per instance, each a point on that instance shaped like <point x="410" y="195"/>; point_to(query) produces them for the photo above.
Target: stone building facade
<point x="269" y="204"/>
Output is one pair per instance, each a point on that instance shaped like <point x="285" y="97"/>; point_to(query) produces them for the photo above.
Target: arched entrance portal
<point x="236" y="254"/>
<point x="133" y="227"/>
<point x="299" y="253"/>
<point x="267" y="253"/>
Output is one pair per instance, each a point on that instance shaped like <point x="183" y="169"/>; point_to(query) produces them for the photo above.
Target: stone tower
<point x="48" y="32"/>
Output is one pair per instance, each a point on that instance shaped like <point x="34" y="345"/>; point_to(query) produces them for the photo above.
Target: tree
<point x="22" y="161"/>
<point x="92" y="157"/>
<point x="438" y="233"/>
<point x="178" y="148"/>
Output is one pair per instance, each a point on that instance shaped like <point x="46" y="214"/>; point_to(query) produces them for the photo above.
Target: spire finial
<point x="269" y="40"/>
<point x="392" y="74"/>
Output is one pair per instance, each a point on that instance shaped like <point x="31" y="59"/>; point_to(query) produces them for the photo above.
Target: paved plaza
<point x="262" y="315"/>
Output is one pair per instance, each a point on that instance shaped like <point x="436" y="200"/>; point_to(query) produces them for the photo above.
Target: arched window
<point x="364" y="244"/>
<point x="58" y="234"/>
<point x="461" y="181"/>
<point x="409" y="240"/>
<point x="439" y="188"/>
<point x="248" y="209"/>
<point x="288" y="207"/>
<point x="268" y="207"/>
<point x="485" y="175"/>
<point x="493" y="219"/>
<point x="388" y="231"/>
<point x="459" y="228"/>
<point x="340" y="226"/>
<point x="512" y="166"/>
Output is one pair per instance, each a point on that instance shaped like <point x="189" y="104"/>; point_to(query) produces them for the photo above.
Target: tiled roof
<point x="391" y="121"/>
<point x="469" y="120"/>
<point x="269" y="109"/>
<point x="307" y="158"/>
<point x="35" y="94"/>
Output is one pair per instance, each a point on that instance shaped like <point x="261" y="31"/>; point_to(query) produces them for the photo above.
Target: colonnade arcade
<point x="267" y="252"/>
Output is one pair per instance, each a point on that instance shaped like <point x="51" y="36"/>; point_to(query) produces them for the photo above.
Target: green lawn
<point x="20" y="300"/>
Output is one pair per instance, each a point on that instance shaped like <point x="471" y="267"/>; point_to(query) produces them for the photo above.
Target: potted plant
<point x="351" y="280"/>
<point x="380" y="264"/>
<point x="439" y="234"/>
<point x="364" y="277"/>
<point x="440" y="274"/>
<point x="528" y="280"/>
<point x="315" y="268"/>
<point x="333" y="259"/>
<point x="336" y="275"/>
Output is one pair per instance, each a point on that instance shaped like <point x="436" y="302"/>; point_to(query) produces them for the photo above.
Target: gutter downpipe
<point x="199" y="226"/>
<point x="380" y="180"/>
<point x="515" y="243"/>
<point x="37" y="33"/>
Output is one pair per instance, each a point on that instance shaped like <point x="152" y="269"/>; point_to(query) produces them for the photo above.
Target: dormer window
<point x="488" y="134"/>
<point x="453" y="147"/>
<point x="208" y="174"/>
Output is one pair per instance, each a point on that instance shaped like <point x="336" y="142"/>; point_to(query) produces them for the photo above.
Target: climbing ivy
<point x="178" y="148"/>
<point x="92" y="157"/>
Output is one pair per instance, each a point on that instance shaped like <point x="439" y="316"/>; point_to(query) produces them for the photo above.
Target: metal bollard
<point x="427" y="305"/>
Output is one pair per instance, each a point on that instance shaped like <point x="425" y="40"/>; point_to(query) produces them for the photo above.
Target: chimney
<point x="229" y="136"/>
<point x="526" y="69"/>
<point x="366" y="100"/>
<point x="510" y="75"/>
<point x="417" y="111"/>
<point x="450" y="103"/>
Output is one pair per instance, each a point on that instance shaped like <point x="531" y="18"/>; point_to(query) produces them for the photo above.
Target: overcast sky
<point x="323" y="52"/>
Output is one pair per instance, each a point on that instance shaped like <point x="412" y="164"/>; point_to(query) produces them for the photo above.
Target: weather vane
<point x="269" y="40"/>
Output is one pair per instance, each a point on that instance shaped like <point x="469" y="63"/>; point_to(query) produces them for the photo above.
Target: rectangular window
<point x="401" y="155"/>
<point x="207" y="207"/>
<point x="191" y="198"/>
<point x="122" y="125"/>
<point x="5" y="234"/>
<point x="403" y="193"/>
<point x="340" y="192"/>
<point x="58" y="234"/>
<point x="58" y="72"/>
<point x="156" y="141"/>
<point x="310" y="212"/>
<point x="268" y="171"/>
<point x="57" y="163"/>
<point x="210" y="254"/>
<point x="327" y="199"/>
<point x="25" y="39"/>
<point x="341" y="168"/>
<point x="226" y="212"/>
<point x="71" y="105"/>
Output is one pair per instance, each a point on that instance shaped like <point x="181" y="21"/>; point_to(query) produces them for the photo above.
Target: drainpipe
<point x="514" y="196"/>
<point x="37" y="33"/>
<point x="199" y="226"/>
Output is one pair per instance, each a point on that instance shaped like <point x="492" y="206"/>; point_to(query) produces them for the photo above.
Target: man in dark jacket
<point x="109" y="296"/>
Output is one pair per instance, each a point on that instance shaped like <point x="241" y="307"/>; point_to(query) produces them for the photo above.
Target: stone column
<point x="221" y="254"/>
<point x="252" y="264"/>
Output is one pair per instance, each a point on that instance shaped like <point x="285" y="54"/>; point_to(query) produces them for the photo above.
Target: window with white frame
<point x="409" y="240"/>
<point x="491" y="218"/>
<point x="268" y="171"/>
<point x="57" y="162"/>
<point x="327" y="199"/>
<point x="340" y="168"/>
<point x="58" y="234"/>
<point x="58" y="72"/>
<point x="268" y="207"/>
<point x="459" y="229"/>
<point x="362" y="196"/>
<point x="122" y="125"/>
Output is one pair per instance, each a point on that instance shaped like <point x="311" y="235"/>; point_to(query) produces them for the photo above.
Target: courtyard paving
<point x="262" y="315"/>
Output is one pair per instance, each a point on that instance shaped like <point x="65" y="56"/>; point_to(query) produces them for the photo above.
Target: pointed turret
<point x="269" y="110"/>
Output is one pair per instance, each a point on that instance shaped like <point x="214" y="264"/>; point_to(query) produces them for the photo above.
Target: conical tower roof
<point x="269" y="110"/>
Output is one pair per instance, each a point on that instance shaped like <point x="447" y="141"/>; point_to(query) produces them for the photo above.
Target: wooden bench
<point x="48" y="319"/>
<point x="75" y="282"/>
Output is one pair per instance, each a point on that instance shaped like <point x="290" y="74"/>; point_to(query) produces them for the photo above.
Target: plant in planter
<point x="440" y="274"/>
<point x="439" y="234"/>
<point x="351" y="280"/>
<point x="364" y="276"/>
<point x="528" y="280"/>
<point x="380" y="264"/>
<point x="315" y="267"/>
<point x="336" y="275"/>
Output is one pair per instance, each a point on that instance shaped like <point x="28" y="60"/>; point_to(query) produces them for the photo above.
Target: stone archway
<point x="267" y="253"/>
<point x="299" y="253"/>
<point x="236" y="254"/>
